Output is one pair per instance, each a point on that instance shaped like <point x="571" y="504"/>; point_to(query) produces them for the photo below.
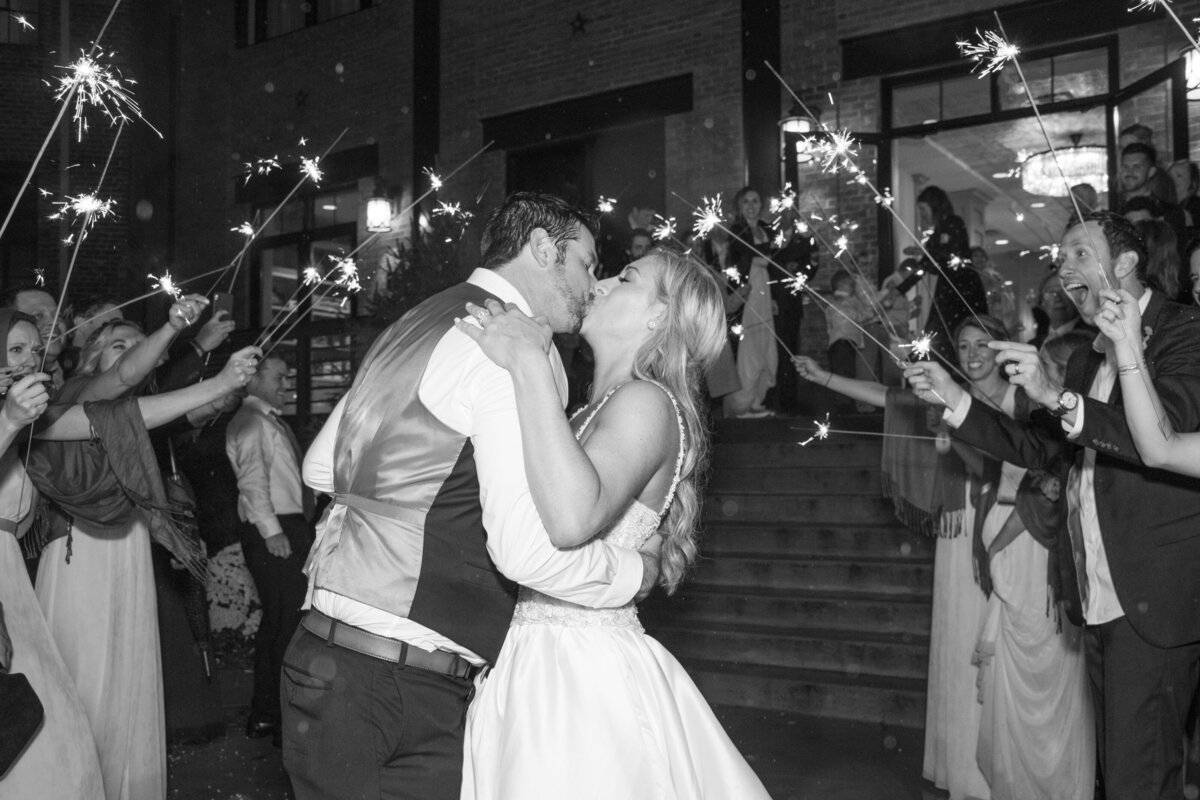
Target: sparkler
<point x="1165" y="5"/>
<point x="23" y="22"/>
<point x="606" y="205"/>
<point x="665" y="229"/>
<point x="261" y="166"/>
<point x="738" y="330"/>
<point x="311" y="167"/>
<point x="435" y="182"/>
<point x="452" y="210"/>
<point x="920" y="347"/>
<point x="245" y="229"/>
<point x="708" y="216"/>
<point x="989" y="51"/>
<point x="39" y="277"/>
<point x="88" y="206"/>
<point x="166" y="284"/>
<point x="822" y="432"/>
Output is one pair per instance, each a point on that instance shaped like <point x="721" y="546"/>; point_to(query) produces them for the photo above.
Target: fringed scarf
<point x="927" y="488"/>
<point x="104" y="480"/>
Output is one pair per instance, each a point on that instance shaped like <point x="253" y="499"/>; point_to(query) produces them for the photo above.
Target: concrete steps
<point x="809" y="597"/>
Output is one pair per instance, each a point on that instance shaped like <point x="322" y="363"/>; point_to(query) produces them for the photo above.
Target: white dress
<point x="60" y="762"/>
<point x="583" y="704"/>
<point x="102" y="612"/>
<point x="1036" y="737"/>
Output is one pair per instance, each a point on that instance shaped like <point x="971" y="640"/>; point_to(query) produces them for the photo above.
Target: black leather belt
<point x="381" y="647"/>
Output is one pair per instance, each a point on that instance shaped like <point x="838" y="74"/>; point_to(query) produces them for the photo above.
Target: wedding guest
<point x="1163" y="265"/>
<point x="757" y="357"/>
<point x="797" y="257"/>
<point x="89" y="315"/>
<point x="640" y="242"/>
<point x="1193" y="266"/>
<point x="949" y="294"/>
<point x="95" y="581"/>
<point x="722" y="377"/>
<point x="1140" y="178"/>
<point x="844" y="318"/>
<point x="276" y="532"/>
<point x="1186" y="176"/>
<point x="1131" y="531"/>
<point x="41" y="305"/>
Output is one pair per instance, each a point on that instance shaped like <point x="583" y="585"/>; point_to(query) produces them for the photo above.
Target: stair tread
<point x="793" y="632"/>
<point x="907" y="597"/>
<point x="822" y="558"/>
<point x="805" y="675"/>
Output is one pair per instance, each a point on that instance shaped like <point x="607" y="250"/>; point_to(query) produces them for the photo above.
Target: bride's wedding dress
<point x="583" y="704"/>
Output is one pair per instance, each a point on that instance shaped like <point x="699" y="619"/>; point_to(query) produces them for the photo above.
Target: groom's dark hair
<point x="510" y="224"/>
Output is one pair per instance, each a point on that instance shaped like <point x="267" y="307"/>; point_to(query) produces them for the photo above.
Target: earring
<point x="652" y="324"/>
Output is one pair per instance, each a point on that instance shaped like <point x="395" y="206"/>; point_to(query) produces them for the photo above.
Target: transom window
<point x="260" y="20"/>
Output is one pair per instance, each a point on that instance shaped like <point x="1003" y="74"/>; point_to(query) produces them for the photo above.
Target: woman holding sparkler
<point x="60" y="763"/>
<point x="757" y="359"/>
<point x="95" y="583"/>
<point x="581" y="700"/>
<point x="1008" y="715"/>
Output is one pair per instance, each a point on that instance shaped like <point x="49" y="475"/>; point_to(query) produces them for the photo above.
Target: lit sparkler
<point x="835" y="149"/>
<point x="885" y="199"/>
<point x="734" y="275"/>
<point x="665" y="229"/>
<point x="452" y="210"/>
<point x="842" y="243"/>
<point x="606" y="205"/>
<point x="39" y="277"/>
<point x="708" y="216"/>
<point x="88" y="206"/>
<point x="311" y="167"/>
<point x="92" y="83"/>
<point x="738" y="330"/>
<point x="434" y="181"/>
<point x="166" y="284"/>
<point x="990" y="52"/>
<point x="311" y="275"/>
<point x="1150" y="5"/>
<point x="22" y="21"/>
<point x="786" y="200"/>
<point x="303" y="141"/>
<point x="920" y="347"/>
<point x="796" y="284"/>
<point x="260" y="166"/>
<point x="822" y="431"/>
<point x="246" y="229"/>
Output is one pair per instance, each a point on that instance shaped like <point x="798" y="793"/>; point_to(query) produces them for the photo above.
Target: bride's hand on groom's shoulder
<point x="505" y="333"/>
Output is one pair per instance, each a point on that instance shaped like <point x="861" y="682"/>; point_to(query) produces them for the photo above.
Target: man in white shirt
<point x="275" y="509"/>
<point x="412" y="580"/>
<point x="1134" y="532"/>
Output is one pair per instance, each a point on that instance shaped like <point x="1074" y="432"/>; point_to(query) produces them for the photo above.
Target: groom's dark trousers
<point x="370" y="728"/>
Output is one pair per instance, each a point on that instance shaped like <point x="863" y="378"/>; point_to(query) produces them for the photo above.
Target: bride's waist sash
<point x="535" y="608"/>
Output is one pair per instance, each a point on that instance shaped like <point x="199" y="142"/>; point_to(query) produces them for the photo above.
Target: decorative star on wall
<point x="579" y="25"/>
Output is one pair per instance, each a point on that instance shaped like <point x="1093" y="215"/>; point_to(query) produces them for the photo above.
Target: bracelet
<point x="1129" y="369"/>
<point x="828" y="378"/>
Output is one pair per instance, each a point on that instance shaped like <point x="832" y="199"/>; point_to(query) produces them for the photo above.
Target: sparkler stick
<point x="1166" y="6"/>
<point x="436" y="182"/>
<point x="62" y="111"/>
<point x="1009" y="52"/>
<point x="315" y="281"/>
<point x="838" y="151"/>
<point x="305" y="174"/>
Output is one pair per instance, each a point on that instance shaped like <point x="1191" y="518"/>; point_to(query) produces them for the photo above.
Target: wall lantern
<point x="797" y="127"/>
<point x="1191" y="60"/>
<point x="379" y="211"/>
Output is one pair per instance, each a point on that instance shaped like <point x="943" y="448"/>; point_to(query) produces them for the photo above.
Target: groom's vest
<point x="412" y="541"/>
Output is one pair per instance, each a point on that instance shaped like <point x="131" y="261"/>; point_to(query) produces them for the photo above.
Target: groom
<point x="412" y="580"/>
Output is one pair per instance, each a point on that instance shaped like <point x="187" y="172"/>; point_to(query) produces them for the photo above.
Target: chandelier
<point x="1080" y="164"/>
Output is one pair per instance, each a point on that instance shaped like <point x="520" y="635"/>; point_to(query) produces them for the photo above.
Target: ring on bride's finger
<point x="481" y="314"/>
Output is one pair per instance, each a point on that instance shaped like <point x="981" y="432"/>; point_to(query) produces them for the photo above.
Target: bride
<point x="581" y="702"/>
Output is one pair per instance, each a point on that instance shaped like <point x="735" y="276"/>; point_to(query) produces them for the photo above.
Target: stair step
<point x="887" y="701"/>
<point x="808" y="510"/>
<point x="703" y="604"/>
<point x="805" y="480"/>
<point x="825" y="575"/>
<point x="723" y="538"/>
<point x="788" y="453"/>
<point x="812" y="649"/>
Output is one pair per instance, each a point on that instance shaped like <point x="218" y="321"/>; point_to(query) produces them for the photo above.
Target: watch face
<point x="1068" y="400"/>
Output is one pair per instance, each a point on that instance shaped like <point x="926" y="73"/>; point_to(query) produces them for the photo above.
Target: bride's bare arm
<point x="578" y="490"/>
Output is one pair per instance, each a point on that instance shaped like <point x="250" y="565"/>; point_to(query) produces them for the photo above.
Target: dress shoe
<point x="257" y="728"/>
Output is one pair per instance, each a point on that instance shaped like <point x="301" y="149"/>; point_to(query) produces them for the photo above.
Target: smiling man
<point x="1134" y="532"/>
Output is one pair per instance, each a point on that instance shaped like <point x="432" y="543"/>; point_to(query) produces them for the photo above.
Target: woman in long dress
<point x="581" y="703"/>
<point x="96" y="584"/>
<point x="757" y="357"/>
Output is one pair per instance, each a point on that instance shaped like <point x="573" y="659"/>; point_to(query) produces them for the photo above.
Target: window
<point x="260" y="20"/>
<point x="18" y="21"/>
<point x="313" y="320"/>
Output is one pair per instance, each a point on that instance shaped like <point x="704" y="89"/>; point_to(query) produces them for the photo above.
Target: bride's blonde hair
<point x="677" y="355"/>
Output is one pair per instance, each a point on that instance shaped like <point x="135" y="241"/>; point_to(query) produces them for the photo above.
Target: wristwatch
<point x="1068" y="401"/>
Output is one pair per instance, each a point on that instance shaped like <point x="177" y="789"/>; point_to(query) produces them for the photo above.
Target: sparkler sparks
<point x="452" y="210"/>
<point x="24" y="23"/>
<point x="842" y="243"/>
<point x="311" y="167"/>
<point x="434" y="181"/>
<point x="786" y="200"/>
<point x="88" y="206"/>
<point x="303" y="141"/>
<point x="733" y="274"/>
<point x="311" y="275"/>
<point x="260" y="166"/>
<point x="39" y="277"/>
<point x="737" y="330"/>
<point x="606" y="205"/>
<point x="167" y="284"/>
<point x="835" y="149"/>
<point x="920" y="347"/>
<point x="99" y="86"/>
<point x="822" y="431"/>
<point x="796" y="284"/>
<point x="246" y="229"/>
<point x="885" y="199"/>
<point x="1146" y="5"/>
<point x="665" y="229"/>
<point x="708" y="216"/>
<point x="990" y="52"/>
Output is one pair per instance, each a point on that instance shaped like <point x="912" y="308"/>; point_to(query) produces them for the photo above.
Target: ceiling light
<point x="1037" y="205"/>
<point x="1000" y="242"/>
<point x="1051" y="173"/>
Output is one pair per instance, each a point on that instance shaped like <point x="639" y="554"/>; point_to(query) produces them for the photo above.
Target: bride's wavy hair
<point x="89" y="358"/>
<point x="677" y="355"/>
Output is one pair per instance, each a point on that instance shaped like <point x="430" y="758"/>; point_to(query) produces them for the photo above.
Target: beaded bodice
<point x="631" y="530"/>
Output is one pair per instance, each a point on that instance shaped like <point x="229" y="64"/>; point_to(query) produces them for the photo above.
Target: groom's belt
<point x="381" y="647"/>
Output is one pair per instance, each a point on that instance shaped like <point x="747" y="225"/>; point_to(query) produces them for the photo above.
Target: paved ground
<point x="797" y="758"/>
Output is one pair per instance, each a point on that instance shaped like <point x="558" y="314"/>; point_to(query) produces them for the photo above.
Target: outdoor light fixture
<point x="801" y="126"/>
<point x="1191" y="60"/>
<point x="379" y="212"/>
<point x="1080" y="164"/>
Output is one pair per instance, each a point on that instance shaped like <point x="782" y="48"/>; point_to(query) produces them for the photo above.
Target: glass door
<point x="1159" y="102"/>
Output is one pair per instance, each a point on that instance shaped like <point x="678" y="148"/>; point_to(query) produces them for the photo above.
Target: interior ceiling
<point x="970" y="158"/>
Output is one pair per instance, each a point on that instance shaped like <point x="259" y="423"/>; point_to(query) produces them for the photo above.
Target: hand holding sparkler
<point x="811" y="371"/>
<point x="26" y="401"/>
<point x="932" y="383"/>
<point x="1024" y="368"/>
<point x="186" y="310"/>
<point x="238" y="371"/>
<point x="1120" y="319"/>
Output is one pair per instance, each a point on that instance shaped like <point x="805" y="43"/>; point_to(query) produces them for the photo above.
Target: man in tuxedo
<point x="413" y="576"/>
<point x="1134" y="531"/>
